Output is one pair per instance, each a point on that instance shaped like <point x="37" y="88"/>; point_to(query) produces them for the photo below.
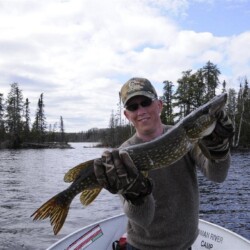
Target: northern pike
<point x="160" y="152"/>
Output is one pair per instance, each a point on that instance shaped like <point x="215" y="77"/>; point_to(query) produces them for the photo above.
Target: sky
<point x="79" y="53"/>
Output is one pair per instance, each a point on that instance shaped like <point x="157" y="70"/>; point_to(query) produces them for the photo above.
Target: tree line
<point x="15" y="122"/>
<point x="190" y="91"/>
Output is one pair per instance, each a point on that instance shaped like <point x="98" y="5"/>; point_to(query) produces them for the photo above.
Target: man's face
<point x="144" y="114"/>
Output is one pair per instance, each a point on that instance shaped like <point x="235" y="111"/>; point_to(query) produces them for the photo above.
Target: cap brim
<point x="143" y="93"/>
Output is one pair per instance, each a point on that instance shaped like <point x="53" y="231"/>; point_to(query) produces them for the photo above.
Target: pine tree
<point x="62" y="130"/>
<point x="240" y="113"/>
<point x="199" y="89"/>
<point x="39" y="125"/>
<point x="2" y="127"/>
<point x="14" y="113"/>
<point x="26" y="131"/>
<point x="232" y="109"/>
<point x="167" y="115"/>
<point x="186" y="93"/>
<point x="244" y="126"/>
<point x="224" y="84"/>
<point x="210" y="74"/>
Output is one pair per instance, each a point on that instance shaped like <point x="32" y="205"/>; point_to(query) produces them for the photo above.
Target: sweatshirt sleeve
<point x="214" y="170"/>
<point x="142" y="214"/>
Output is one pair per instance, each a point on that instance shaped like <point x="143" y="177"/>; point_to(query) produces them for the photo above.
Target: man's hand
<point x="116" y="177"/>
<point x="218" y="141"/>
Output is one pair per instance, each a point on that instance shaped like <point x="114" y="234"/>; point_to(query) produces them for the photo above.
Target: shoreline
<point x="36" y="145"/>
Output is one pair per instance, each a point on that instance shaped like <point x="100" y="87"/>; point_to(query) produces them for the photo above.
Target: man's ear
<point x="126" y="114"/>
<point x="160" y="105"/>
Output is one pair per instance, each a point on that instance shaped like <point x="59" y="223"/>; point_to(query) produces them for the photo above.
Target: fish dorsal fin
<point x="74" y="172"/>
<point x="88" y="195"/>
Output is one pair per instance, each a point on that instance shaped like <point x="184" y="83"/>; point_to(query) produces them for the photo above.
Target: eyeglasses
<point x="134" y="106"/>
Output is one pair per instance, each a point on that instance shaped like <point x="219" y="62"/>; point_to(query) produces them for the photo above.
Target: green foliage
<point x="62" y="129"/>
<point x="14" y="118"/>
<point x="242" y="117"/>
<point x="188" y="96"/>
<point x="26" y="127"/>
<point x="192" y="92"/>
<point x="193" y="89"/>
<point x="2" y="123"/>
<point x="117" y="132"/>
<point x="210" y="74"/>
<point x="39" y="125"/>
<point x="15" y="121"/>
<point x="167" y="115"/>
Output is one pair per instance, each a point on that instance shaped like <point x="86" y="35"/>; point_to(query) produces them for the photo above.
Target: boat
<point x="102" y="234"/>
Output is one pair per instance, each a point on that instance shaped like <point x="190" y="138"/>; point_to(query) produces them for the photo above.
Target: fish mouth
<point x="209" y="130"/>
<point x="203" y="121"/>
<point x="217" y="106"/>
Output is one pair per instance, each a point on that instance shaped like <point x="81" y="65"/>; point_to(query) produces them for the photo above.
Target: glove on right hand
<point x="218" y="141"/>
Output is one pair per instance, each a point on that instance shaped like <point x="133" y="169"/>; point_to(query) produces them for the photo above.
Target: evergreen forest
<point x="190" y="91"/>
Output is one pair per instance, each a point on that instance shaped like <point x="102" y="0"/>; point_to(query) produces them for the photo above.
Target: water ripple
<point x="30" y="177"/>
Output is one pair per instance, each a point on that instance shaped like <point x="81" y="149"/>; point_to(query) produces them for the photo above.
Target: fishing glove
<point x="118" y="178"/>
<point x="218" y="142"/>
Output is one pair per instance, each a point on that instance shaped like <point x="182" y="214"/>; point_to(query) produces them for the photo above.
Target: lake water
<point x="30" y="177"/>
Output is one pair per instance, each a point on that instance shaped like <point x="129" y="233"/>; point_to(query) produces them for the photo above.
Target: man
<point x="163" y="208"/>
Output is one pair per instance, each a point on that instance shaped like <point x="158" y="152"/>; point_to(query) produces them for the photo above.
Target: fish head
<point x="203" y="126"/>
<point x="202" y="121"/>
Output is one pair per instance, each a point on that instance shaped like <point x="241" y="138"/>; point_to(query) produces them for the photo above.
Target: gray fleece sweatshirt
<point x="168" y="218"/>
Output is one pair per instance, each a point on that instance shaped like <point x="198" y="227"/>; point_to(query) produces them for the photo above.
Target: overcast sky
<point x="80" y="52"/>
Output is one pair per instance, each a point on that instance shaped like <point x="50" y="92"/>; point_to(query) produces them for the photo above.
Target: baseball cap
<point x="137" y="86"/>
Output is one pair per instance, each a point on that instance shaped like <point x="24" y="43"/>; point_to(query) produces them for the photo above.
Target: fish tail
<point x="56" y="210"/>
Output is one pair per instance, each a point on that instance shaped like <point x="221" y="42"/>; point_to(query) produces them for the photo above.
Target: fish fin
<point x="74" y="172"/>
<point x="56" y="210"/>
<point x="89" y="195"/>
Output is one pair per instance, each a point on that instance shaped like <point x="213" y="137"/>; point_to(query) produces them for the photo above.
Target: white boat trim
<point x="102" y="234"/>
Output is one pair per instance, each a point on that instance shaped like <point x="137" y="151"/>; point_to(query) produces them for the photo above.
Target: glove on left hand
<point x="116" y="177"/>
<point x="218" y="141"/>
